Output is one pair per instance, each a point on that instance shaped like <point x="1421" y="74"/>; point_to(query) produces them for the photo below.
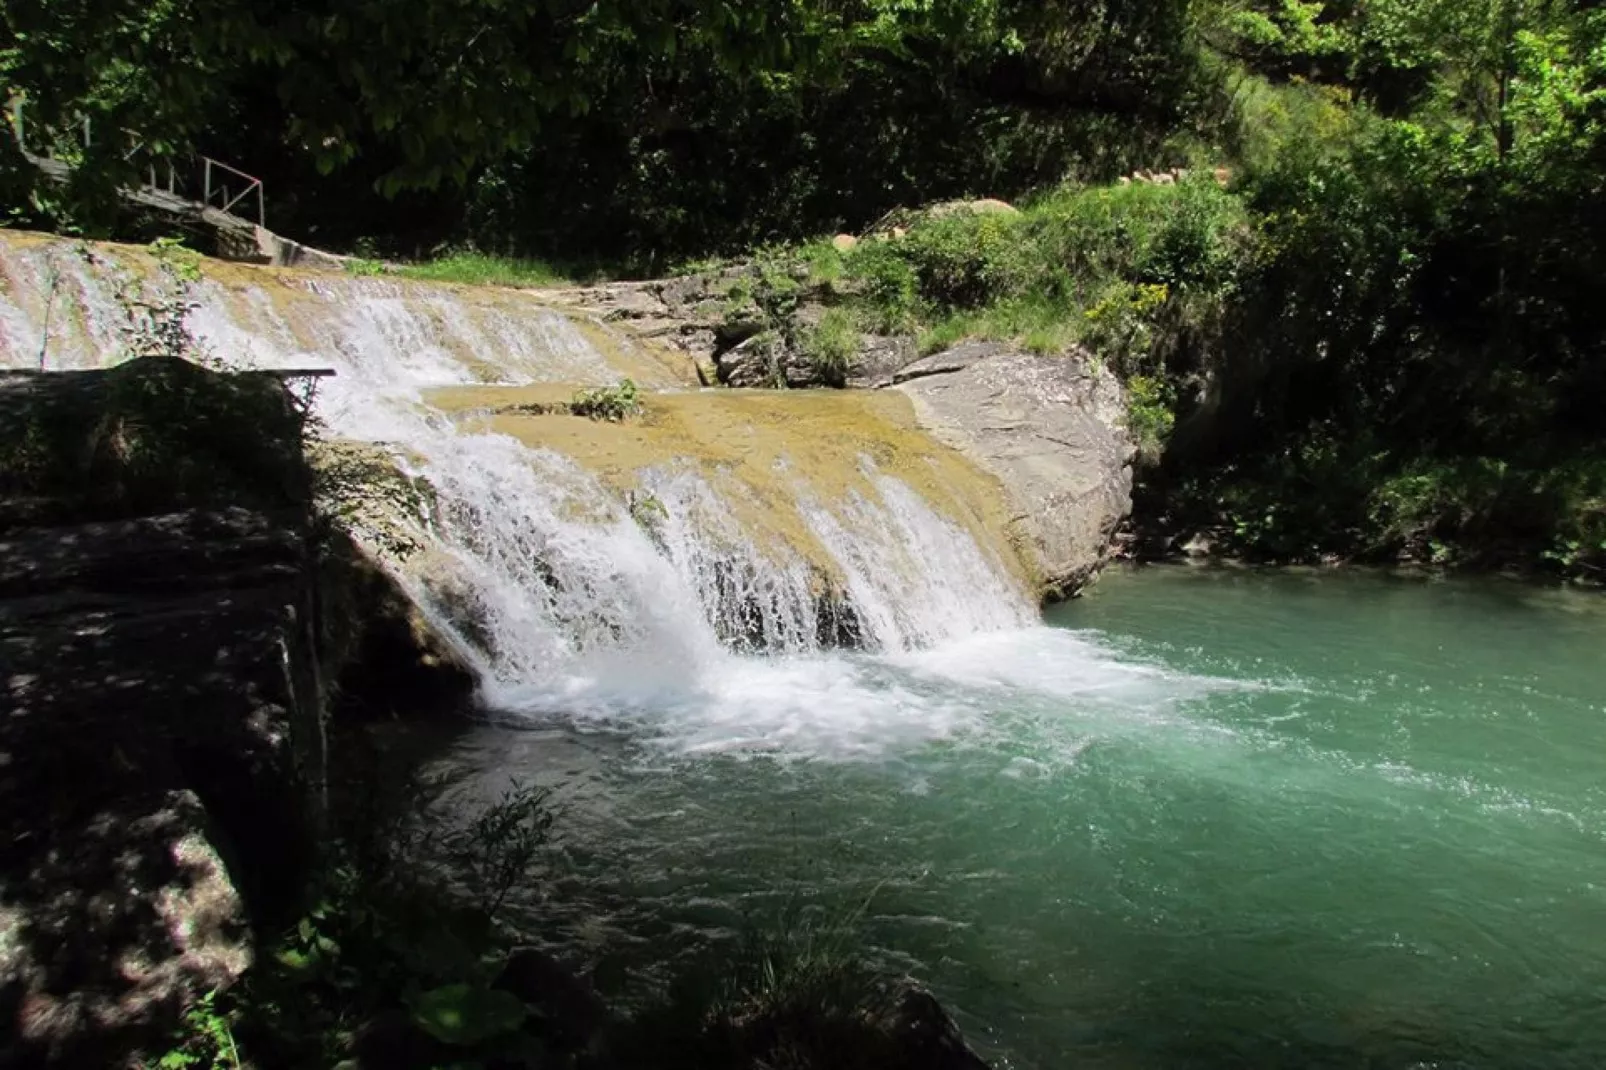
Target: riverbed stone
<point x="948" y="361"/>
<point x="1051" y="430"/>
<point x="752" y="363"/>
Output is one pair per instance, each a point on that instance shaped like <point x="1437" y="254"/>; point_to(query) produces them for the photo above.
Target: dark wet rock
<point x="927" y="1037"/>
<point x="387" y="660"/>
<point x="570" y="1015"/>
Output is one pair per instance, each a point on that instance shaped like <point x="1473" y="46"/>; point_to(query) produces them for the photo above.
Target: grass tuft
<point x="483" y="269"/>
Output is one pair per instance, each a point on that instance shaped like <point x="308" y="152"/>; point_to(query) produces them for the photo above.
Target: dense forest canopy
<point x="646" y="111"/>
<point x="1384" y="337"/>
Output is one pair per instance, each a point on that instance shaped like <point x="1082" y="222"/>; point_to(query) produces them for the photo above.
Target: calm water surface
<point x="1202" y="818"/>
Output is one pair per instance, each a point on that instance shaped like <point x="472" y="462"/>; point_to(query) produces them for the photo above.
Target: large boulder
<point x="1052" y="430"/>
<point x="162" y="760"/>
<point x="122" y="916"/>
<point x="753" y="363"/>
<point x="879" y="359"/>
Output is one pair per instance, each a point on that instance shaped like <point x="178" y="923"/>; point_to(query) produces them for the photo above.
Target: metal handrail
<point x="253" y="185"/>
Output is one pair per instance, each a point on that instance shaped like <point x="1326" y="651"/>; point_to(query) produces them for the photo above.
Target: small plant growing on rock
<point x="831" y="346"/>
<point x="157" y="316"/>
<point x="649" y="513"/>
<point x="205" y="1041"/>
<point x="177" y="259"/>
<point x="1150" y="405"/>
<point x="611" y="403"/>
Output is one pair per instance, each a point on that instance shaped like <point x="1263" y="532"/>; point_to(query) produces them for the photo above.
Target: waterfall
<point x="561" y="587"/>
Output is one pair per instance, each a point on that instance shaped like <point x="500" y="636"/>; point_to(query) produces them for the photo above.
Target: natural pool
<point x="1202" y="818"/>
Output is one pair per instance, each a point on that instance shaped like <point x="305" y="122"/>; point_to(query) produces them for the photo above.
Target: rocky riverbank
<point x="174" y="622"/>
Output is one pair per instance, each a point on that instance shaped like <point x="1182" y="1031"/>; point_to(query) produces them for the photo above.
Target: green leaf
<point x="464" y="1014"/>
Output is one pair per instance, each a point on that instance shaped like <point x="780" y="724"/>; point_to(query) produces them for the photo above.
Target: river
<point x="1201" y="818"/>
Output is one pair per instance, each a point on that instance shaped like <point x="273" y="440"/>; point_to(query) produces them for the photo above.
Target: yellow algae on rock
<point x="767" y="454"/>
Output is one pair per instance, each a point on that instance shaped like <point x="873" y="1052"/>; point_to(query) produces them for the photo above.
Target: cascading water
<point x="566" y="594"/>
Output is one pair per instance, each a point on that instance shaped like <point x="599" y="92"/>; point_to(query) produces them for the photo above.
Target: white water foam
<point x="1044" y="687"/>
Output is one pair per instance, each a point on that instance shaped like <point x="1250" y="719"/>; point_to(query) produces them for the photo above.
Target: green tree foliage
<point x="1415" y="359"/>
<point x="670" y="115"/>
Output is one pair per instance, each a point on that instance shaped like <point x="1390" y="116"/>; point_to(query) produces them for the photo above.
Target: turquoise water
<point x="1202" y="818"/>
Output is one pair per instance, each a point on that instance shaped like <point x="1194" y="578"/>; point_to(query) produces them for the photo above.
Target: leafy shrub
<point x="888" y="285"/>
<point x="611" y="403"/>
<point x="1192" y="234"/>
<point x="464" y="1015"/>
<point x="1150" y="413"/>
<point x="1429" y="503"/>
<point x="831" y="345"/>
<point x="965" y="260"/>
<point x="402" y="924"/>
<point x="1578" y="546"/>
<point x="1120" y="326"/>
<point x="495" y="850"/>
<point x="824" y="262"/>
<point x="777" y="289"/>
